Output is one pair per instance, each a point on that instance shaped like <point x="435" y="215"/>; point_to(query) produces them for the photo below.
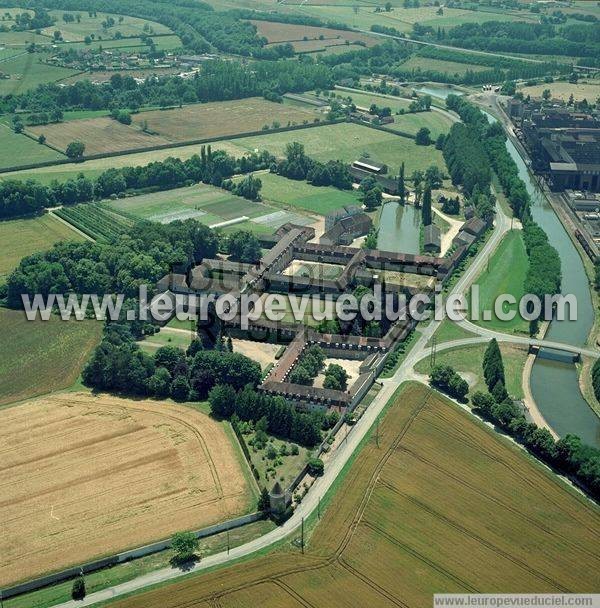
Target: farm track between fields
<point x="336" y="557"/>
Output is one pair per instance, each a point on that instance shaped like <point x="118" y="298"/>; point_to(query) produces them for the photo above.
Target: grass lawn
<point x="466" y="360"/>
<point x="27" y="71"/>
<point x="17" y="149"/>
<point x="449" y="331"/>
<point x="347" y="142"/>
<point x="20" y="238"/>
<point x="505" y="274"/>
<point x="562" y="90"/>
<point x="207" y="204"/>
<point x="301" y="195"/>
<point x="38" y="357"/>
<point x="167" y="338"/>
<point x="448" y="67"/>
<point x="279" y="468"/>
<point x="121" y="573"/>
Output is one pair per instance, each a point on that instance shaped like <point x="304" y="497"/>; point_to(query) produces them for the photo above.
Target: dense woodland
<point x="580" y="40"/>
<point x="226" y="401"/>
<point x="139" y="257"/>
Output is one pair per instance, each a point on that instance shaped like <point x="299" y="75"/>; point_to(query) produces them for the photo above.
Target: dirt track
<point x="84" y="476"/>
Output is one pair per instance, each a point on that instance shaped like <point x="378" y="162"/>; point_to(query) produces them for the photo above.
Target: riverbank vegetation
<point x="568" y="455"/>
<point x="544" y="272"/>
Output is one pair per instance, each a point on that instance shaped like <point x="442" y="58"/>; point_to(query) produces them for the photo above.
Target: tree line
<point x="18" y="198"/>
<point x="568" y="455"/>
<point x="283" y="420"/>
<point x="297" y="165"/>
<point x="579" y="40"/>
<point x="544" y="271"/>
<point x="217" y="81"/>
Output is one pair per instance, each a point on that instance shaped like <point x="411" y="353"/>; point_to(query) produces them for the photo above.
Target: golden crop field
<point x="193" y="122"/>
<point x="84" y="476"/>
<point x="443" y="505"/>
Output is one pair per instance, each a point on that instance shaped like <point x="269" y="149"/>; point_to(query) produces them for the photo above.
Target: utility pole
<point x="302" y="538"/>
<point x="319" y="508"/>
<point x="227" y="542"/>
<point x="433" y="351"/>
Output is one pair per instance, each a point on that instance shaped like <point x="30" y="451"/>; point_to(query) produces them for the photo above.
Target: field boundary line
<point x="75" y="229"/>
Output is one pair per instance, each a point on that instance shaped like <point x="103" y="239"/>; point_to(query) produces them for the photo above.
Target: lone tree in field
<point x="78" y="590"/>
<point x="75" y="150"/>
<point x="185" y="545"/>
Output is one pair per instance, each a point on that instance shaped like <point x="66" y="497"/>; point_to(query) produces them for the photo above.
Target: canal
<point x="555" y="385"/>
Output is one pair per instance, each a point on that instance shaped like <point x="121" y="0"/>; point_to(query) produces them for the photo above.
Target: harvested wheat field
<point x="100" y="135"/>
<point x="443" y="504"/>
<point x="189" y="123"/>
<point x="84" y="476"/>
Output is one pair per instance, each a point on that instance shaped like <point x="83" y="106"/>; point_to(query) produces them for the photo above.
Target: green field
<point x="20" y="238"/>
<point x="342" y="141"/>
<point x="435" y="121"/>
<point x="38" y="357"/>
<point x="467" y="361"/>
<point x="162" y="43"/>
<point x="301" y="195"/>
<point x="347" y="142"/>
<point x="362" y="15"/>
<point x="505" y="274"/>
<point x="27" y="71"/>
<point x="366" y="100"/>
<point x="21" y="39"/>
<point x="207" y="204"/>
<point x="18" y="149"/>
<point x="438" y="65"/>
<point x="92" y="26"/>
